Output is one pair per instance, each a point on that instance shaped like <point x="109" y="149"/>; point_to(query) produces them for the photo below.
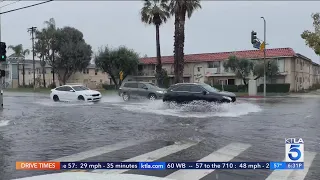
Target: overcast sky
<point x="217" y="27"/>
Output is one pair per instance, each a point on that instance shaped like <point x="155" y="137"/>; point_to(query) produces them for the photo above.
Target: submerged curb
<point x="250" y="96"/>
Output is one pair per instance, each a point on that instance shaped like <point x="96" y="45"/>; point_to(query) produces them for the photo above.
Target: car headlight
<point x="161" y="92"/>
<point x="87" y="94"/>
<point x="226" y="97"/>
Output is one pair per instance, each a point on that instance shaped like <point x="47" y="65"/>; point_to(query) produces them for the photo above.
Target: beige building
<point x="91" y="77"/>
<point x="297" y="70"/>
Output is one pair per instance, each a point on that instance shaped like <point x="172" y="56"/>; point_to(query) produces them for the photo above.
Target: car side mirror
<point x="71" y="90"/>
<point x="146" y="88"/>
<point x="204" y="92"/>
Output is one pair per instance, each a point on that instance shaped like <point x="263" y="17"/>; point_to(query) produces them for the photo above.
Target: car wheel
<point x="55" y="98"/>
<point x="152" y="97"/>
<point x="125" y="97"/>
<point x="80" y="98"/>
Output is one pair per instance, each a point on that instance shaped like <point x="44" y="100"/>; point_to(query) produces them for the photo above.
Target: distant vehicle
<point x="187" y="92"/>
<point x="74" y="92"/>
<point x="135" y="89"/>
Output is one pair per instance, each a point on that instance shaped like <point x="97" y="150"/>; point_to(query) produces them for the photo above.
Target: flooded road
<point x="33" y="128"/>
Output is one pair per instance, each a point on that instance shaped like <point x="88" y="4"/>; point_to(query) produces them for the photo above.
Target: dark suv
<point x="187" y="92"/>
<point x="134" y="89"/>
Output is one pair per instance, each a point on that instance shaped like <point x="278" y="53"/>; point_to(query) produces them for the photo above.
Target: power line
<point x="9" y="3"/>
<point x="26" y="7"/>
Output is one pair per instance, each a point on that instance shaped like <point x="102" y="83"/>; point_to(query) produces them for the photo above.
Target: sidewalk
<point x="260" y="95"/>
<point x="311" y="94"/>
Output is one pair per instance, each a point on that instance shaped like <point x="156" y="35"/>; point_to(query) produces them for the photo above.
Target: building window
<point x="101" y="80"/>
<point x="231" y="81"/>
<point x="214" y="64"/>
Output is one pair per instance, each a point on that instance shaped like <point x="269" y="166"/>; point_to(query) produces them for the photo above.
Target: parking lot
<point x="34" y="128"/>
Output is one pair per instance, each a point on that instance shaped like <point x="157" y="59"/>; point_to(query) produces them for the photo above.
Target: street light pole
<point x="1" y="79"/>
<point x="264" y="57"/>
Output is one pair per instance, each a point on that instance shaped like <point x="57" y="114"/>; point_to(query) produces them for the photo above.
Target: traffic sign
<point x="257" y="45"/>
<point x="262" y="46"/>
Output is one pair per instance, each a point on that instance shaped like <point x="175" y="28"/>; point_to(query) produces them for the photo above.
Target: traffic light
<point x="269" y="65"/>
<point x="3" y="51"/>
<point x="254" y="39"/>
<point x="121" y="75"/>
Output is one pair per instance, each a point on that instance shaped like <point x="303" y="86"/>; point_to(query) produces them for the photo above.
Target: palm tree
<point x="18" y="51"/>
<point x="156" y="12"/>
<point x="181" y="8"/>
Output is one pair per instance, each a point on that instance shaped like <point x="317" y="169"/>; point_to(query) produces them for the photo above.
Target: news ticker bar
<point x="158" y="165"/>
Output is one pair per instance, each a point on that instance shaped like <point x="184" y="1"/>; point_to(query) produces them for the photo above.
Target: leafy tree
<point x="312" y="39"/>
<point x="258" y="69"/>
<point x="18" y="51"/>
<point x="72" y="53"/>
<point x="42" y="50"/>
<point x="112" y="61"/>
<point x="180" y="9"/>
<point x="51" y="42"/>
<point x="241" y="67"/>
<point x="156" y="12"/>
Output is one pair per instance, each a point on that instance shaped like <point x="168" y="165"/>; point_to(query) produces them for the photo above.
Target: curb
<point x="251" y="96"/>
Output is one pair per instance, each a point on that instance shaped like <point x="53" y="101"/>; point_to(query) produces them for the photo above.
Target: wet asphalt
<point x="33" y="128"/>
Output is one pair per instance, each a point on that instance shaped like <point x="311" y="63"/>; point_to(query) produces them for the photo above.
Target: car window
<point x="67" y="88"/>
<point x="210" y="88"/>
<point x="59" y="88"/>
<point x="131" y="85"/>
<point x="195" y="88"/>
<point x="182" y="88"/>
<point x="141" y="85"/>
<point x="126" y="84"/>
<point x="80" y="88"/>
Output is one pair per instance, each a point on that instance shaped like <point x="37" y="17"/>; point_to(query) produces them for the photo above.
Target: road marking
<point x="224" y="154"/>
<point x="301" y="174"/>
<point x="150" y="156"/>
<point x="295" y="174"/>
<point x="98" y="151"/>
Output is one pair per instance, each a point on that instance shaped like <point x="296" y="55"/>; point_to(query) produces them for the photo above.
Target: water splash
<point x="4" y="123"/>
<point x="194" y="109"/>
<point x="48" y="102"/>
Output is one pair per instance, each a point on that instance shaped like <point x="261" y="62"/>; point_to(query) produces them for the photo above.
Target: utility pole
<point x="32" y="30"/>
<point x="1" y="91"/>
<point x="264" y="57"/>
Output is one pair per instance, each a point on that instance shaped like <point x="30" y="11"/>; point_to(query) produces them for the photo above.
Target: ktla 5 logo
<point x="294" y="150"/>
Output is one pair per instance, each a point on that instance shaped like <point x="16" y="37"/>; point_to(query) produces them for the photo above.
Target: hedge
<point x="231" y="88"/>
<point x="108" y="87"/>
<point x="279" y="88"/>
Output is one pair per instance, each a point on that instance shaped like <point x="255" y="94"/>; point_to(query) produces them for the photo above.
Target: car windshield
<point x="80" y="88"/>
<point x="210" y="88"/>
<point x="152" y="85"/>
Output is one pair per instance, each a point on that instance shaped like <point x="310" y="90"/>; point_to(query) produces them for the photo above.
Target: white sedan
<point x="74" y="92"/>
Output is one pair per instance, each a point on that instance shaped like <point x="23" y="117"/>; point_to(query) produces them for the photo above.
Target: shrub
<point x="52" y="85"/>
<point x="231" y="88"/>
<point x="280" y="88"/>
<point x="242" y="88"/>
<point x="109" y="87"/>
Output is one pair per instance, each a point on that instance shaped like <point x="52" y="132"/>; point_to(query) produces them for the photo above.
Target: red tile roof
<point x="249" y="54"/>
